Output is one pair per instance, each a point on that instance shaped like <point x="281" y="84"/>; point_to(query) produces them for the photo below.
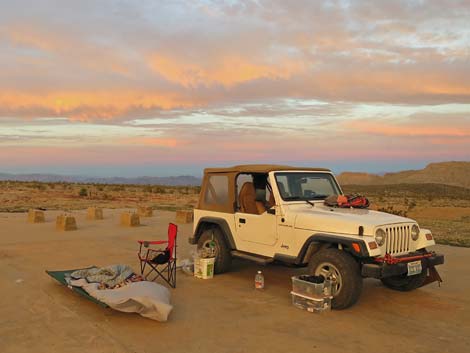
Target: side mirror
<point x="271" y="210"/>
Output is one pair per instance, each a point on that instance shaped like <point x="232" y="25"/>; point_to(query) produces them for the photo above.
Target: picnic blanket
<point x="149" y="299"/>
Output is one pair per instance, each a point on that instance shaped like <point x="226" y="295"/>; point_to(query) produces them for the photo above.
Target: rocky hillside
<point x="448" y="173"/>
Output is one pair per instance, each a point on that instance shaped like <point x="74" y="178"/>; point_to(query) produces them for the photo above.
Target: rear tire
<point x="223" y="258"/>
<point x="341" y="268"/>
<point x="404" y="283"/>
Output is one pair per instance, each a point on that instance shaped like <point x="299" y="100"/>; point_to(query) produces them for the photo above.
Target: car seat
<point x="247" y="199"/>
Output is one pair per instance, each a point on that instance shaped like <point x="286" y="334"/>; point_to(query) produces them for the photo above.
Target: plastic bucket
<point x="204" y="268"/>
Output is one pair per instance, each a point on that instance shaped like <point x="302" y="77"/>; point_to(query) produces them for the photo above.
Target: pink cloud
<point x="229" y="148"/>
<point x="115" y="69"/>
<point x="259" y="62"/>
<point x="153" y="141"/>
<point x="226" y="70"/>
<point x="88" y="105"/>
<point x="391" y="129"/>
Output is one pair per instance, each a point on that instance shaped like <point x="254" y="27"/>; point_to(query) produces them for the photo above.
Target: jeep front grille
<point x="398" y="239"/>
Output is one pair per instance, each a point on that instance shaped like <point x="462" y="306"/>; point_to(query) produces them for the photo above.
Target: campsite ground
<point x="444" y="209"/>
<point x="225" y="314"/>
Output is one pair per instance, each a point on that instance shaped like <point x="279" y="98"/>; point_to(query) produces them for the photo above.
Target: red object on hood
<point x="355" y="201"/>
<point x="342" y="201"/>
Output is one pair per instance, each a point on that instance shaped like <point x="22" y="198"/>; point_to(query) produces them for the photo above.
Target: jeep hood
<point x="341" y="220"/>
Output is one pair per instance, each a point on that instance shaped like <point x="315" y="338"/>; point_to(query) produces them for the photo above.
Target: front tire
<point x="223" y="258"/>
<point x="404" y="283"/>
<point x="343" y="271"/>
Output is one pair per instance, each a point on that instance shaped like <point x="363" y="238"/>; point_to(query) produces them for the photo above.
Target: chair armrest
<point x="155" y="242"/>
<point x="154" y="251"/>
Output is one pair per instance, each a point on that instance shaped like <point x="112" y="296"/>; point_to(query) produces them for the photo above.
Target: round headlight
<point x="380" y="236"/>
<point x="415" y="232"/>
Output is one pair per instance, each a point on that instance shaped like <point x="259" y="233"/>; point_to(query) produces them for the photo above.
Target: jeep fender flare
<point x="205" y="222"/>
<point x="322" y="238"/>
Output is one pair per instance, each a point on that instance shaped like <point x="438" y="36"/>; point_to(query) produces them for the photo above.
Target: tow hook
<point x="432" y="276"/>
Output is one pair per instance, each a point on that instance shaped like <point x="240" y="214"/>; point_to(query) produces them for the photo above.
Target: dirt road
<point x="225" y="314"/>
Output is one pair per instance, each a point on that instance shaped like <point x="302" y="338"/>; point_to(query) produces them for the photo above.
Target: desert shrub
<point x="147" y="188"/>
<point x="411" y="205"/>
<point x="107" y="197"/>
<point x="391" y="210"/>
<point x="159" y="190"/>
<point x="185" y="190"/>
<point x="39" y="186"/>
<point x="83" y="192"/>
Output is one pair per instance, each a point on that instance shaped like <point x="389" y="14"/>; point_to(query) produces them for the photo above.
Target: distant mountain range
<point x="448" y="173"/>
<point x="184" y="180"/>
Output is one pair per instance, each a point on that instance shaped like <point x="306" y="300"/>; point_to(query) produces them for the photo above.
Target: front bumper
<point x="399" y="265"/>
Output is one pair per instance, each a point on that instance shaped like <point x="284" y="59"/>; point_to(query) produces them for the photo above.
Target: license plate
<point x="414" y="268"/>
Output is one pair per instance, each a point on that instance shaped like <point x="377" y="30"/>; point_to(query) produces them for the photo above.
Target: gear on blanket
<point x="347" y="201"/>
<point x="108" y="277"/>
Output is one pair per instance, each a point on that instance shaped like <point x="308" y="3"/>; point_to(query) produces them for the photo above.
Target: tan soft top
<point x="230" y="199"/>
<point x="260" y="168"/>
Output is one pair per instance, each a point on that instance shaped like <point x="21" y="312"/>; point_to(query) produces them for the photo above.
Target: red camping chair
<point x="159" y="262"/>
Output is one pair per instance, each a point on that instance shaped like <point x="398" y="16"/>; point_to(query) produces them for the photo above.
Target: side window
<point x="256" y="199"/>
<point x="242" y="179"/>
<point x="217" y="190"/>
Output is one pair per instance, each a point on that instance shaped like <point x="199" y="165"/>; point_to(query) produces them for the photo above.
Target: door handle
<point x="242" y="220"/>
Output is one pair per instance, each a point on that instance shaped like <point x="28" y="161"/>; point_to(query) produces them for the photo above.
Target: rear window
<point x="217" y="190"/>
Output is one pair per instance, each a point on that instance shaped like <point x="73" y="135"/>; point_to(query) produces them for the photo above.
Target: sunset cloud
<point x="412" y="129"/>
<point x="234" y="81"/>
<point x="89" y="105"/>
<point x="153" y="141"/>
<point x="130" y="58"/>
<point x="226" y="71"/>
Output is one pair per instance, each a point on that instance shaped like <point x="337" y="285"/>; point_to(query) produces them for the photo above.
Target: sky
<point x="129" y="88"/>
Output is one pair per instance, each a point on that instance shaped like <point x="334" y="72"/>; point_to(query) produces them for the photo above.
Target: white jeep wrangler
<point x="268" y="213"/>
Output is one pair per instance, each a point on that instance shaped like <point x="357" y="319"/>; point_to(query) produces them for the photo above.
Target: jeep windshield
<point x="303" y="186"/>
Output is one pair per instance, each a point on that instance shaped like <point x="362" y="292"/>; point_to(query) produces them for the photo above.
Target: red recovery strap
<point x="390" y="260"/>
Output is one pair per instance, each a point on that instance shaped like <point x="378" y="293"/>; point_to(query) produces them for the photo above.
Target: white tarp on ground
<point x="148" y="299"/>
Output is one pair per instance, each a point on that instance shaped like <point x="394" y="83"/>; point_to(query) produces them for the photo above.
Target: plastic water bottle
<point x="259" y="280"/>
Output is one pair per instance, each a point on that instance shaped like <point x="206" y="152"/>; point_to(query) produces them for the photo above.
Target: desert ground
<point x="442" y="208"/>
<point x="20" y="196"/>
<point x="224" y="314"/>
